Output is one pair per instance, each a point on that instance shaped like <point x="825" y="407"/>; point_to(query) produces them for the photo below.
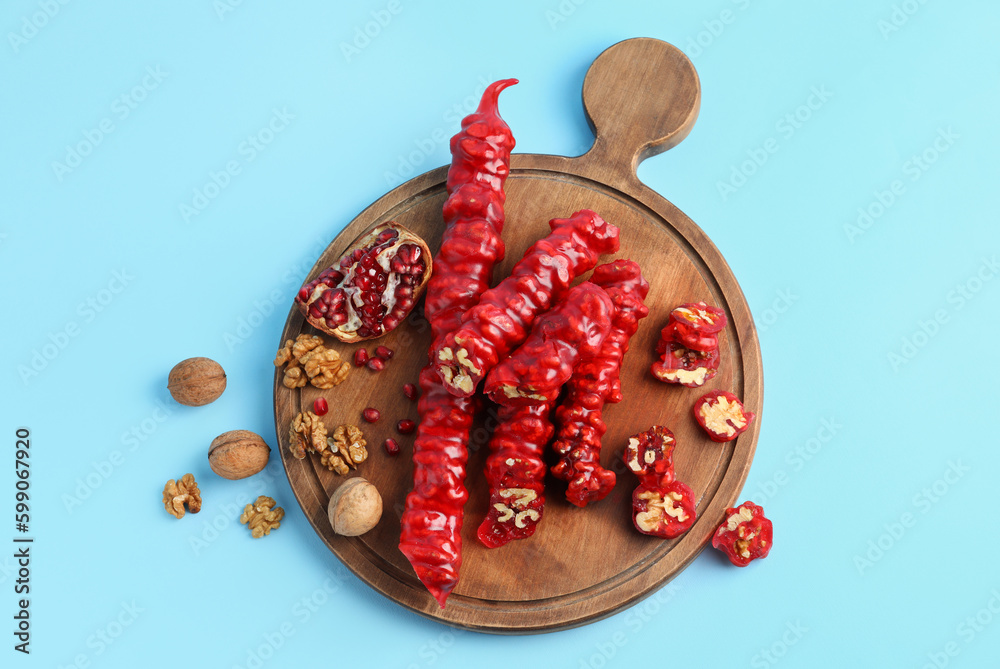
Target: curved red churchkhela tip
<point x="488" y="103"/>
<point x="431" y="534"/>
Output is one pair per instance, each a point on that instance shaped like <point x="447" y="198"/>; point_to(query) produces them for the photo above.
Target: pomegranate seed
<point x="376" y="364"/>
<point x="406" y="426"/>
<point x="410" y="391"/>
<point x="371" y="415"/>
<point x="360" y="357"/>
<point x="391" y="447"/>
<point x="384" y="352"/>
<point x="320" y="407"/>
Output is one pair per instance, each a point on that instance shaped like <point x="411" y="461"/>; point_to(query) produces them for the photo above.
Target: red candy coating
<point x="595" y="381"/>
<point x="503" y="317"/>
<point x="515" y="472"/>
<point x="744" y="535"/>
<point x="431" y="526"/>
<point x="536" y="371"/>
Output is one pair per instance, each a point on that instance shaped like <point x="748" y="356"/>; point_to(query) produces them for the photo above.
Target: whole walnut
<point x="355" y="507"/>
<point x="238" y="454"/>
<point x="196" y="381"/>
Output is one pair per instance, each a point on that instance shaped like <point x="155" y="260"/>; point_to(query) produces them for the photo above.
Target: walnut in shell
<point x="238" y="454"/>
<point x="196" y="381"/>
<point x="355" y="507"/>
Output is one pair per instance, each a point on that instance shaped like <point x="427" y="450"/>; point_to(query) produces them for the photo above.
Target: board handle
<point x="641" y="97"/>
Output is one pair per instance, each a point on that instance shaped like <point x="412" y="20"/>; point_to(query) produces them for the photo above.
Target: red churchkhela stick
<point x="515" y="472"/>
<point x="431" y="529"/>
<point x="536" y="371"/>
<point x="595" y="381"/>
<point x="502" y="319"/>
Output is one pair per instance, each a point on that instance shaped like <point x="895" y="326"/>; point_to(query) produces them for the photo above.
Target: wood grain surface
<point x="641" y="97"/>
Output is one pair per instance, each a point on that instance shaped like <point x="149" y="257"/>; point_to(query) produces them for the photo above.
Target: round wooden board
<point x="581" y="565"/>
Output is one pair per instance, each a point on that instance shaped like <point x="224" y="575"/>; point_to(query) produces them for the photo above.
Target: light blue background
<point x="832" y="307"/>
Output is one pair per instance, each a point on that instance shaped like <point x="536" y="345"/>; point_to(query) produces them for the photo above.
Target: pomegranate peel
<point x="372" y="287"/>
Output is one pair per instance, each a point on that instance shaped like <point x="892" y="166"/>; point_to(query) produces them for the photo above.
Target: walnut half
<point x="262" y="516"/>
<point x="346" y="449"/>
<point x="180" y="492"/>
<point x="307" y="434"/>
<point x="308" y="360"/>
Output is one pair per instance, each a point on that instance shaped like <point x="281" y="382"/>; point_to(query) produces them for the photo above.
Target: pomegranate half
<point x="373" y="286"/>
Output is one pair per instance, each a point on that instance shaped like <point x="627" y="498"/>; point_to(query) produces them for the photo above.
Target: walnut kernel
<point x="180" y="492"/>
<point x="295" y="376"/>
<point x="346" y="449"/>
<point x="325" y="368"/>
<point x="262" y="516"/>
<point x="305" y="343"/>
<point x="308" y="360"/>
<point x="284" y="353"/>
<point x="307" y="434"/>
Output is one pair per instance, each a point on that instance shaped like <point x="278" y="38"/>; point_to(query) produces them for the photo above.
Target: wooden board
<point x="641" y="96"/>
